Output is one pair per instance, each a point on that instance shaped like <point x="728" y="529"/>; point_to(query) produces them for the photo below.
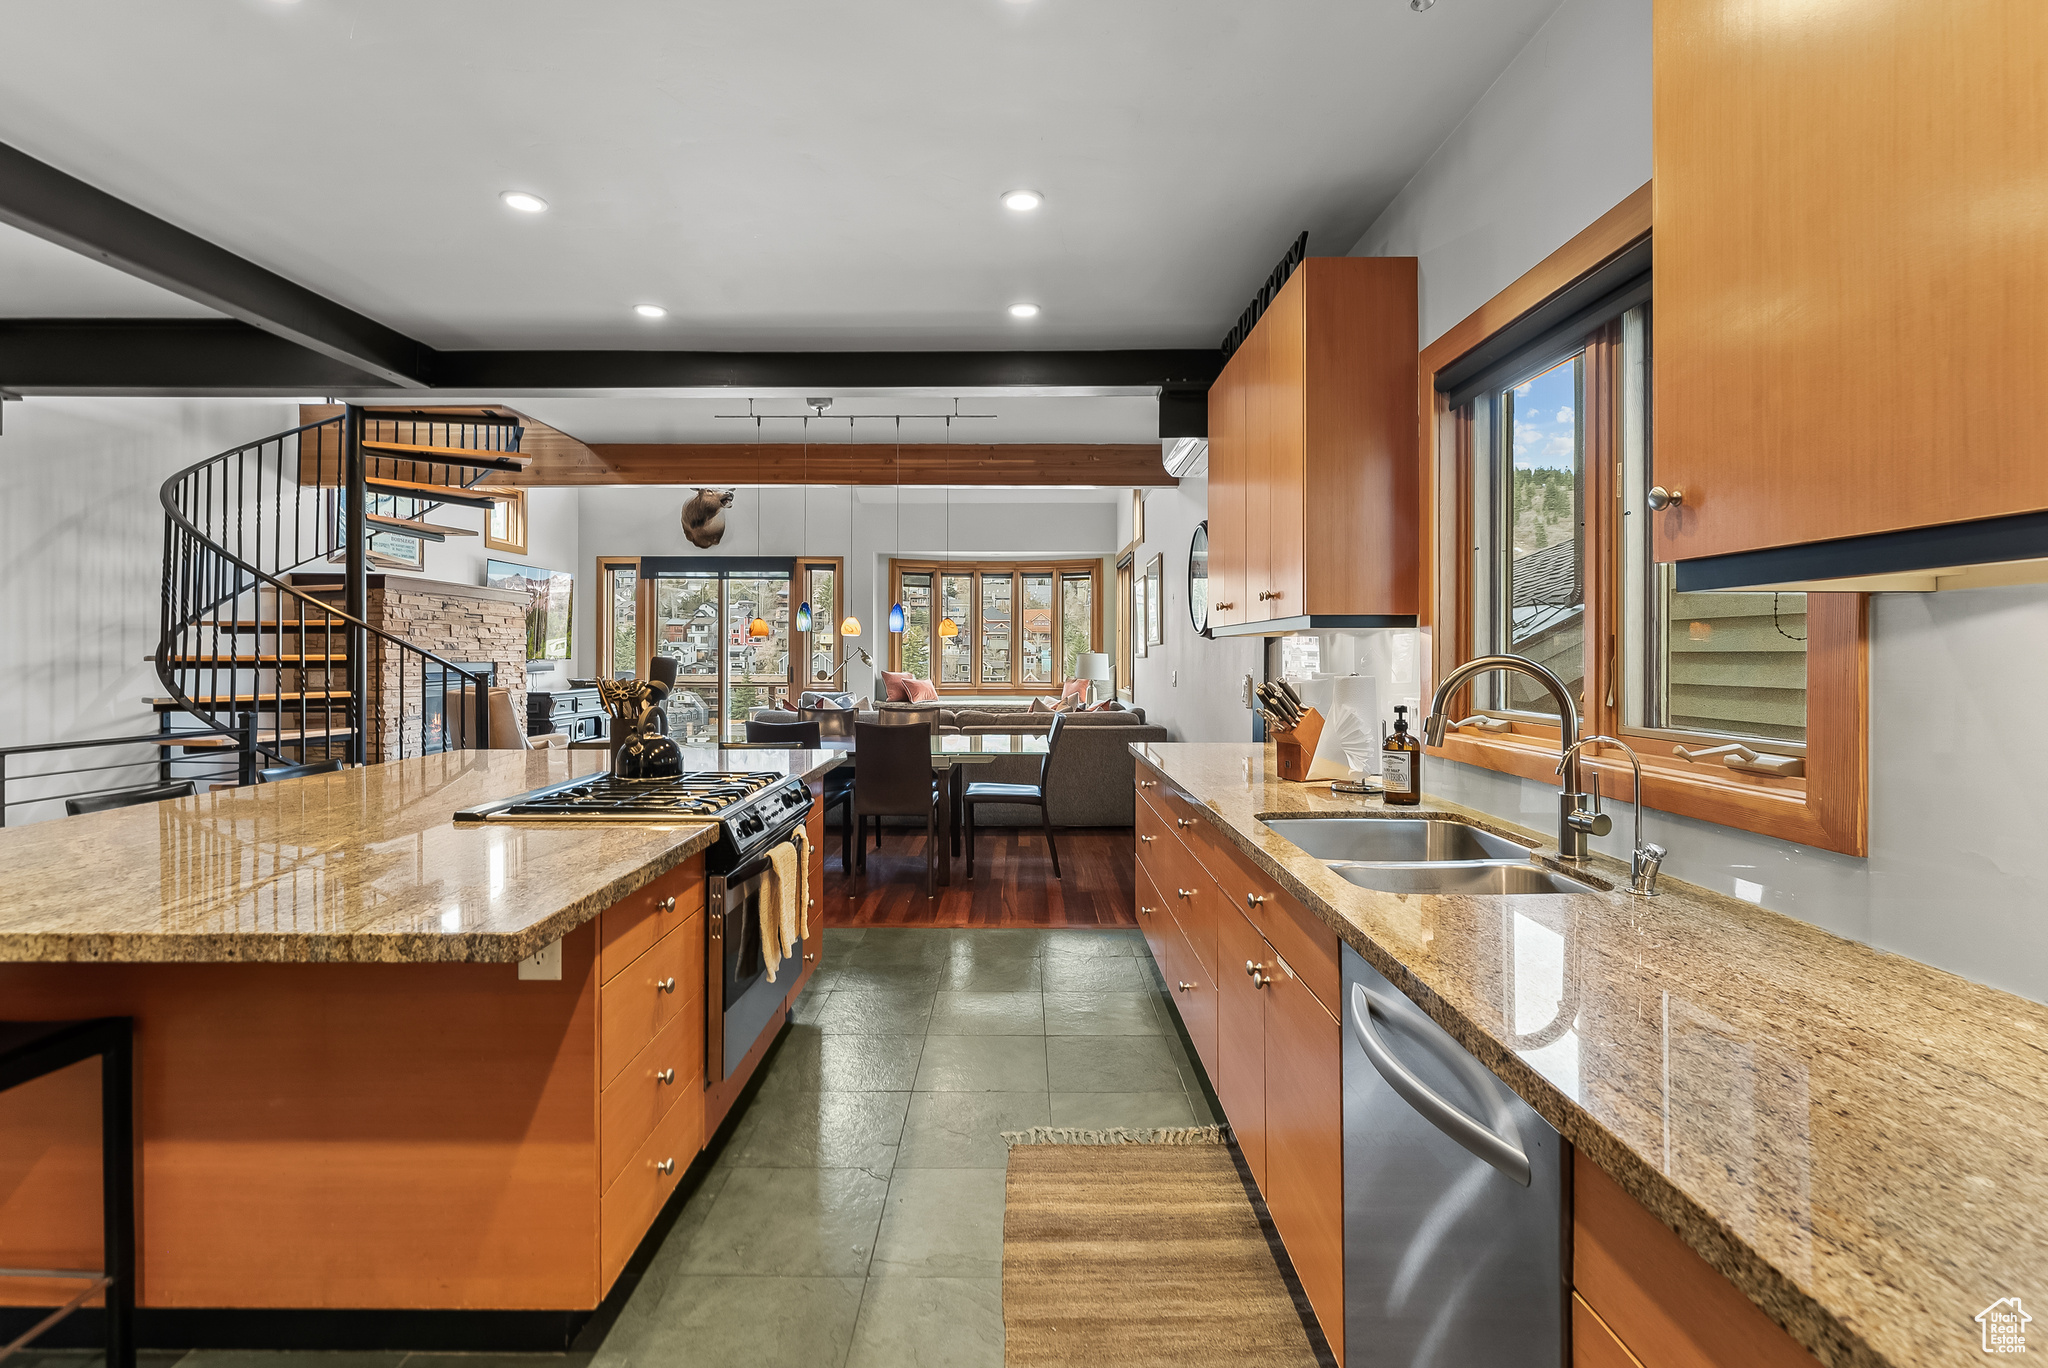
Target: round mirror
<point x="1198" y="579"/>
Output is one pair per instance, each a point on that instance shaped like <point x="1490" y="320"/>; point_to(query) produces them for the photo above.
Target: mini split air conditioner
<point x="1185" y="456"/>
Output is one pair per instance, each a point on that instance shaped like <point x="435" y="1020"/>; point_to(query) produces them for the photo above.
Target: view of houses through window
<point x="1020" y="628"/>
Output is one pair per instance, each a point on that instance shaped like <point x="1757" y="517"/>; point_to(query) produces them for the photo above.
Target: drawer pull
<point x="1148" y="783"/>
<point x="1183" y="822"/>
<point x="1252" y="967"/>
<point x="1254" y="900"/>
<point x="1187" y="987"/>
<point x="667" y="985"/>
<point x="1148" y="840"/>
<point x="664" y="1075"/>
<point x="1146" y="910"/>
<point x="666" y="1166"/>
<point x="1261" y="980"/>
<point x="1185" y="892"/>
<point x="809" y="958"/>
<point x="1225" y="606"/>
<point x="668" y="904"/>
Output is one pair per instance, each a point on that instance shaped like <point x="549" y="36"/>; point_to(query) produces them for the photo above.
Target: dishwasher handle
<point x="1488" y="1144"/>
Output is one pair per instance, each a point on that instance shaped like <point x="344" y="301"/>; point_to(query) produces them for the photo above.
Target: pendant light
<point x="849" y="626"/>
<point x="758" y="629"/>
<point x="896" y="609"/>
<point x="803" y="609"/>
<point x="948" y="627"/>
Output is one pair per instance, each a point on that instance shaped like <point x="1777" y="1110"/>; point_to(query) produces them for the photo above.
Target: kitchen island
<point x="1848" y="1137"/>
<point x="398" y="1081"/>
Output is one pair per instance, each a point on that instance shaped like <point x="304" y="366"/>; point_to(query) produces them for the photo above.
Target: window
<point x="822" y="646"/>
<point x="505" y="525"/>
<point x="1021" y="627"/>
<point x="1542" y="452"/>
<point x="618" y="622"/>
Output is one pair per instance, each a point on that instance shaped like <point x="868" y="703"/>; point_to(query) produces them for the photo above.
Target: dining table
<point x="953" y="754"/>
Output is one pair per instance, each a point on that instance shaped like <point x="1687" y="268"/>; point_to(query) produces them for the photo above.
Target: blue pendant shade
<point x="896" y="617"/>
<point x="803" y="617"/>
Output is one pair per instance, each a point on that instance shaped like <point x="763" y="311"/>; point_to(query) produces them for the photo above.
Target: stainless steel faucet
<point x="1647" y="859"/>
<point x="1578" y="813"/>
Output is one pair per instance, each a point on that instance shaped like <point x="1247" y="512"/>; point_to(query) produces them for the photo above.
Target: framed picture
<point x="549" y="594"/>
<point x="1137" y="623"/>
<point x="505" y="526"/>
<point x="1155" y="626"/>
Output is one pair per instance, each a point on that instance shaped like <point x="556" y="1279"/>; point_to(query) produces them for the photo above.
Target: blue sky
<point x="1543" y="420"/>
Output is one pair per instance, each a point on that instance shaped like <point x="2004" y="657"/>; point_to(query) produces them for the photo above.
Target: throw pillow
<point x="1076" y="689"/>
<point x="898" y="686"/>
<point x="922" y="691"/>
<point x="1107" y="705"/>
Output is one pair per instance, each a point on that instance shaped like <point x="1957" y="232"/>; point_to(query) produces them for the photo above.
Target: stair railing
<point x="253" y="657"/>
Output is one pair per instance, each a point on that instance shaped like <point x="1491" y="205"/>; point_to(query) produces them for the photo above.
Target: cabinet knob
<point x="1225" y="607"/>
<point x="1254" y="900"/>
<point x="667" y="985"/>
<point x="809" y="958"/>
<point x="1187" y="987"/>
<point x="1185" y="892"/>
<point x="1148" y="783"/>
<point x="1183" y="822"/>
<point x="1263" y="596"/>
<point x="666" y="1166"/>
<point x="1146" y="910"/>
<point x="1659" y="498"/>
<point x="665" y="1076"/>
<point x="1261" y="980"/>
<point x="1252" y="967"/>
<point x="1147" y="839"/>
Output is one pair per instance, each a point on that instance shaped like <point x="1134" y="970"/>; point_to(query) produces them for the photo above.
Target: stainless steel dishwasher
<point x="1455" y="1222"/>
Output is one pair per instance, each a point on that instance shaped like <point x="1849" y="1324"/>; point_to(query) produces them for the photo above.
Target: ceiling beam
<point x="38" y="198"/>
<point x="720" y="465"/>
<point x="160" y="356"/>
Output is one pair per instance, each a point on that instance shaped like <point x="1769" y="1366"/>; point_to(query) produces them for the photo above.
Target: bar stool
<point x="31" y="1049"/>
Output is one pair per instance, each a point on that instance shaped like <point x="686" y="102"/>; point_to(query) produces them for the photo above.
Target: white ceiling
<point x="778" y="173"/>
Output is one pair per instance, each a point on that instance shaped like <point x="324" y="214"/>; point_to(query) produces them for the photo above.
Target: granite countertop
<point x="363" y="865"/>
<point x="1853" y="1138"/>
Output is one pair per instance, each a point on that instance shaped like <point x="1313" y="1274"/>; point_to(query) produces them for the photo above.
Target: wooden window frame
<point x="641" y="604"/>
<point x="837" y="565"/>
<point x="513" y="501"/>
<point x="1016" y="570"/>
<point x="1828" y="809"/>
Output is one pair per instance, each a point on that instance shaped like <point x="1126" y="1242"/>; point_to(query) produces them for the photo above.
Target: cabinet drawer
<point x="1665" y="1303"/>
<point x="1240" y="1077"/>
<point x="1297" y="933"/>
<point x="1194" y="996"/>
<point x="630" y="1205"/>
<point x="647" y="995"/>
<point x="1305" y="1143"/>
<point x="661" y="1076"/>
<point x="1154" y="920"/>
<point x="1593" y="1344"/>
<point x="629" y="927"/>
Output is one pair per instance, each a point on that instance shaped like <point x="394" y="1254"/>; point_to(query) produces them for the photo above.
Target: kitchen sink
<point x="1474" y="877"/>
<point x="1398" y="840"/>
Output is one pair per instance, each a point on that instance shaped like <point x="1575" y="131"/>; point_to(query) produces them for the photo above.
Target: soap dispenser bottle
<point x="1401" y="764"/>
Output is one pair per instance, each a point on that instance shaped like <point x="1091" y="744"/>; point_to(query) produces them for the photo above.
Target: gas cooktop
<point x="753" y="810"/>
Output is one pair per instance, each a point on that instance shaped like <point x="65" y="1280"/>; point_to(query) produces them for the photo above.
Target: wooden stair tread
<point x="213" y="700"/>
<point x="439" y="455"/>
<point x="463" y="495"/>
<point x="259" y="658"/>
<point x="431" y="531"/>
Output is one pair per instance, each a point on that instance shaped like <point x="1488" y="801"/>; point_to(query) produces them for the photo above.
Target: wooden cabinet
<point x="1194" y="997"/>
<point x="1313" y="482"/>
<point x="814" y="944"/>
<point x="1305" y="1142"/>
<point x="1240" y="1077"/>
<point x="1850" y="265"/>
<point x="1662" y="1305"/>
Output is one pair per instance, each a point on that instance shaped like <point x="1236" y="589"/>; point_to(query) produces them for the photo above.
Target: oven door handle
<point x="746" y="873"/>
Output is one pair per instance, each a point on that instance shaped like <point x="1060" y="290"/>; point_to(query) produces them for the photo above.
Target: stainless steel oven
<point x="739" y="1001"/>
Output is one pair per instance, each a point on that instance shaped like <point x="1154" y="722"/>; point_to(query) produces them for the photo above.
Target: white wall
<point x="81" y="551"/>
<point x="862" y="526"/>
<point x="1190" y="685"/>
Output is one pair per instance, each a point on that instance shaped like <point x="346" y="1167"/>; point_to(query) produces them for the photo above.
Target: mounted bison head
<point x="704" y="517"/>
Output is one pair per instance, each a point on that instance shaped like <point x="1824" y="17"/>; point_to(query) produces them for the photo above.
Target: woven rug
<point x="1139" y="1251"/>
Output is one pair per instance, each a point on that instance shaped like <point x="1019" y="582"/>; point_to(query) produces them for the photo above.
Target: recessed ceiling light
<point x="650" y="311"/>
<point x="1023" y="311"/>
<point x="523" y="202"/>
<point x="1022" y="201"/>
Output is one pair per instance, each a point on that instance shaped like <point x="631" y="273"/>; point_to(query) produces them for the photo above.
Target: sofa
<point x="1093" y="779"/>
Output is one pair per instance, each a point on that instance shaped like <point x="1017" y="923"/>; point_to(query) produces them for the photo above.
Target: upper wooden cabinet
<point x="1312" y="474"/>
<point x="1850" y="268"/>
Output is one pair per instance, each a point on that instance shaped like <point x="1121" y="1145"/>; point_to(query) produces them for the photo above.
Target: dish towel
<point x="785" y="912"/>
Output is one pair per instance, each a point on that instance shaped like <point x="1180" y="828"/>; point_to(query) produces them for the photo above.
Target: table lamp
<point x="1093" y="666"/>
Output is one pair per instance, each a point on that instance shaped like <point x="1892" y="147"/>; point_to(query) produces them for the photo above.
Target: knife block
<point x="1296" y="750"/>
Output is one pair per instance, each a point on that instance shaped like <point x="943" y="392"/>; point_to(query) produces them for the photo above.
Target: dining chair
<point x="892" y="777"/>
<point x="1024" y="795"/>
<point x="120" y="798"/>
<point x="838" y="789"/>
<point x="278" y="772"/>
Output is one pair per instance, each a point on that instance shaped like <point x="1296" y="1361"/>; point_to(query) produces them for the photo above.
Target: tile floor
<point x="855" y="1217"/>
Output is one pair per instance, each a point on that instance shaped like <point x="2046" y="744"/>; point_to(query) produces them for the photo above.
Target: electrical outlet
<point x="545" y="963"/>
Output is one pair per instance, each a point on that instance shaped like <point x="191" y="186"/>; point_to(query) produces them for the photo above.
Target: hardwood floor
<point x="1013" y="883"/>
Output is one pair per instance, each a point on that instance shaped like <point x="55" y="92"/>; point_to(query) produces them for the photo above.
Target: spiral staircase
<point x="267" y="657"/>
